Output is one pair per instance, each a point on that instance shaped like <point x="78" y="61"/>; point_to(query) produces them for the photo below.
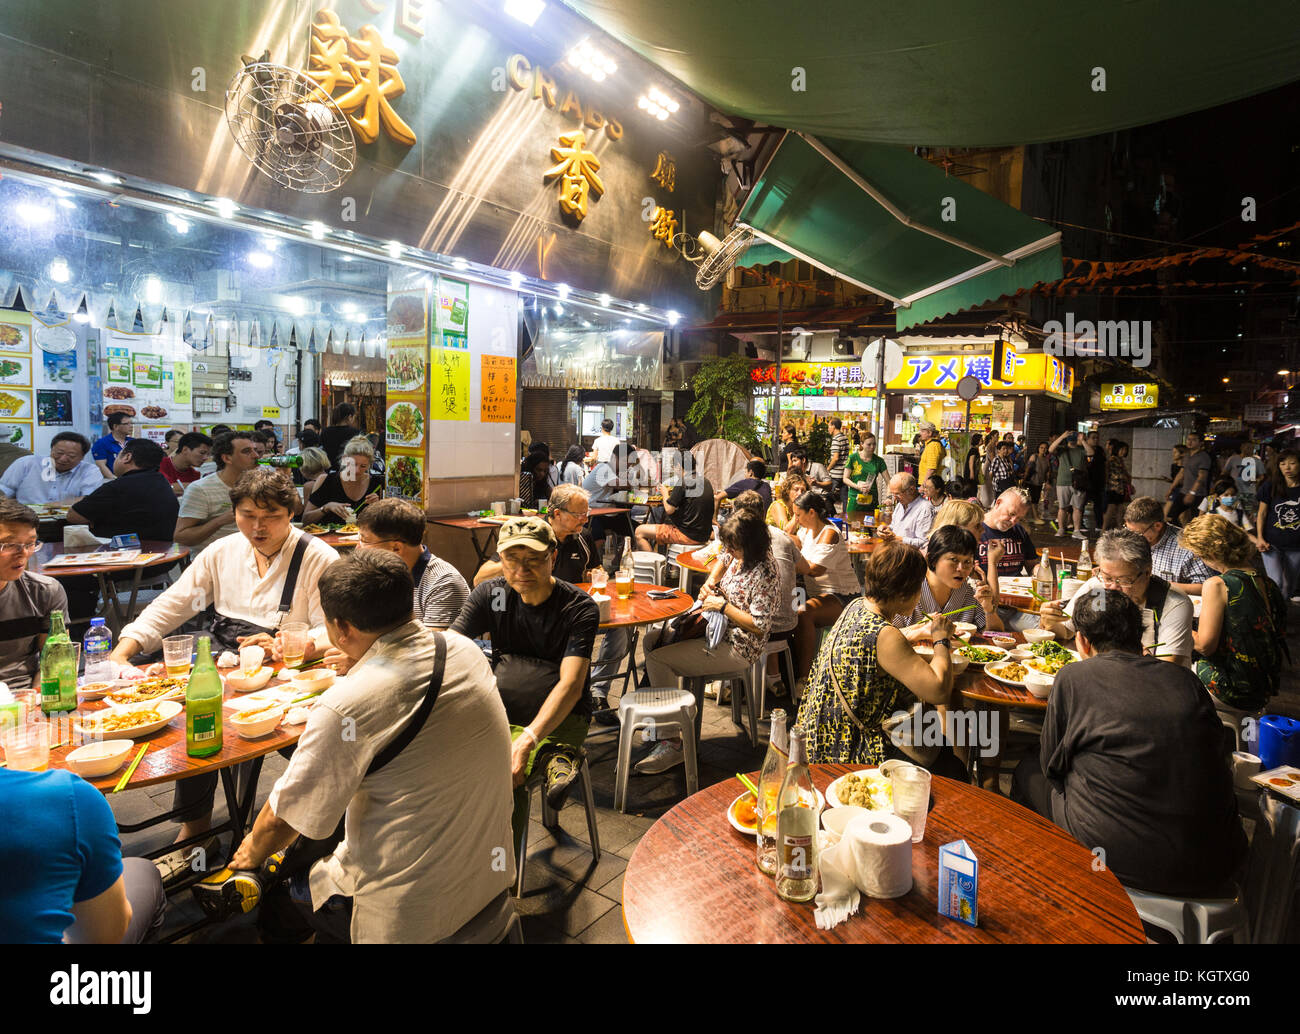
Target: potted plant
<point x="722" y="389"/>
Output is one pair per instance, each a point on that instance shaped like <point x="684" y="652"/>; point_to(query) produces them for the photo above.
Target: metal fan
<point x="290" y="128"/>
<point x="720" y="256"/>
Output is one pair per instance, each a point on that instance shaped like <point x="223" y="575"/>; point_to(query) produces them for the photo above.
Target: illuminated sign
<point x="1129" y="395"/>
<point x="665" y="173"/>
<point x="523" y="76"/>
<point x="663" y="227"/>
<point x="365" y="69"/>
<point x="576" y="170"/>
<point x="929" y="374"/>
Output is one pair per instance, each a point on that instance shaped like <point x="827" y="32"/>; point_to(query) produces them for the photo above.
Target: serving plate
<point x="1001" y="655"/>
<point x="168" y="708"/>
<point x="833" y="791"/>
<point x="750" y="831"/>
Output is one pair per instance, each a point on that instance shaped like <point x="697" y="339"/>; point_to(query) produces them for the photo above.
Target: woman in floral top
<point x="747" y="596"/>
<point x="1242" y="614"/>
<point x="1117" y="483"/>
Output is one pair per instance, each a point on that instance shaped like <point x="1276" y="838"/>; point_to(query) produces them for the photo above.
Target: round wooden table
<point x="639" y="609"/>
<point x="977" y="686"/>
<point x="692" y="879"/>
<point x="339" y="541"/>
<point x="168" y="553"/>
<point x="689" y="561"/>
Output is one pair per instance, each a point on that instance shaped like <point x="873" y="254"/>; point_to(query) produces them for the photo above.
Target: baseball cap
<point x="532" y="532"/>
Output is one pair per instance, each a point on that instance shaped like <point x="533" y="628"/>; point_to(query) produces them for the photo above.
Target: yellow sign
<point x="497" y="390"/>
<point x="924" y="374"/>
<point x="663" y="227"/>
<point x="182" y="381"/>
<point x="577" y="170"/>
<point x="448" y="384"/>
<point x="270" y="412"/>
<point x="665" y="173"/>
<point x="1129" y="395"/>
<point x="366" y="70"/>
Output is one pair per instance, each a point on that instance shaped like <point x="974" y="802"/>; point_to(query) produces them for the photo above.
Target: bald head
<point x="903" y="488"/>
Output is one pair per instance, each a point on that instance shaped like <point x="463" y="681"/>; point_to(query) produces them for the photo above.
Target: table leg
<point x="240" y="806"/>
<point x="483" y="550"/>
<point x="135" y="592"/>
<point x="109" y="594"/>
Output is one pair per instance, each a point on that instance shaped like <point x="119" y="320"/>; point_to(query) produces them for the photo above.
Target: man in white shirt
<point x="66" y="476"/>
<point x="418" y="767"/>
<point x="913" y="513"/>
<point x="205" y="513"/>
<point x="603" y="447"/>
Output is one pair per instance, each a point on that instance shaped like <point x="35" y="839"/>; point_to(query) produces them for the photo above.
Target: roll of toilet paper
<point x="882" y="854"/>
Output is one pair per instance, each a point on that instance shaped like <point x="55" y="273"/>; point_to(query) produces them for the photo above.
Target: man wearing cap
<point x="932" y="452"/>
<point x="543" y="631"/>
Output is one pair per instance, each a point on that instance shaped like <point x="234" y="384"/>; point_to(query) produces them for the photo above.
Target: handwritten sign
<point x="182" y="382"/>
<point x="497" y="390"/>
<point x="449" y="376"/>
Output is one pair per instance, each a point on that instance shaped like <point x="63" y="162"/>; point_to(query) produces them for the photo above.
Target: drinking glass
<point x="293" y="643"/>
<point x="178" y="654"/>
<point x="910" y="788"/>
<point x="623" y="581"/>
<point x="599" y="579"/>
<point x="27" y="747"/>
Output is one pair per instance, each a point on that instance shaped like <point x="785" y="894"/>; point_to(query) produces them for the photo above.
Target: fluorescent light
<point x="33" y="214"/>
<point x="81" y="317"/>
<point x="460" y="263"/>
<point x="260" y="259"/>
<point x="563" y="290"/>
<point x="394" y="248"/>
<point x="673" y="317"/>
<point x="152" y="290"/>
<point x="59" y="271"/>
<point x="178" y="224"/>
<point x="317" y="230"/>
<point x="640" y="307"/>
<point x="604" y="299"/>
<point x="516" y="279"/>
<point x="105" y="177"/>
<point x="347" y="308"/>
<point x="296" y="305"/>
<point x="224" y="206"/>
<point x="526" y="11"/>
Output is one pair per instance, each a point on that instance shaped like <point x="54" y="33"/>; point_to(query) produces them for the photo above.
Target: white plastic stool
<point x="756" y="699"/>
<point x="668" y="711"/>
<point x="1194" y="920"/>
<point x="649" y="567"/>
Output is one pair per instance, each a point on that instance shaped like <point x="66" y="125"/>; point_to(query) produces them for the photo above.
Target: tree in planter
<point x="818" y="444"/>
<point x="722" y="389"/>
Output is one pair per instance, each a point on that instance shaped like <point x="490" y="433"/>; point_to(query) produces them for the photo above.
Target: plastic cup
<point x="178" y="654"/>
<point x="27" y="747"/>
<point x="599" y="579"/>
<point x="910" y="788"/>
<point x="293" y="643"/>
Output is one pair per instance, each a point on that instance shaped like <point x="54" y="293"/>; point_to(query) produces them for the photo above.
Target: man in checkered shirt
<point x="1170" y="561"/>
<point x="1001" y="469"/>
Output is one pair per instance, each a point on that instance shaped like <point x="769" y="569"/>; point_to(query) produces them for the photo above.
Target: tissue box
<point x="959" y="877"/>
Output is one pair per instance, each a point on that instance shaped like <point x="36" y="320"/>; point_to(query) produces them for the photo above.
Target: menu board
<point x="407" y="404"/>
<point x="497" y="389"/>
<point x="140" y="379"/>
<point x="16" y="378"/>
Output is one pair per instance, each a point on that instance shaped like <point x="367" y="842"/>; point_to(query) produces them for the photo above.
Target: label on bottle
<point x="205" y="727"/>
<point x="796" y="857"/>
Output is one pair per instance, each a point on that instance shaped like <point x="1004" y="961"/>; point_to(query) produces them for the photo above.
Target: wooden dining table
<point x="168" y="553"/>
<point x="492" y="525"/>
<point x="693" y="879"/>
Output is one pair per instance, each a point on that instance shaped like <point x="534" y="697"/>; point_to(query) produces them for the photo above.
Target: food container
<point x="603" y="602"/>
<point x="959" y="878"/>
<point x="259" y="725"/>
<point x="964" y="627"/>
<point x="96" y="760"/>
<point x="242" y="682"/>
<point x="1039" y="683"/>
<point x="313" y="680"/>
<point x="1038" y="635"/>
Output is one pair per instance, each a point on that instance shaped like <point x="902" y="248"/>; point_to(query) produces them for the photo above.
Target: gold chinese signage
<point x="665" y="172"/>
<point x="576" y="170"/>
<point x="663" y="226"/>
<point x="361" y="74"/>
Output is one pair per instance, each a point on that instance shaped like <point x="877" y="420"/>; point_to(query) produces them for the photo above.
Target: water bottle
<point x="96" y="645"/>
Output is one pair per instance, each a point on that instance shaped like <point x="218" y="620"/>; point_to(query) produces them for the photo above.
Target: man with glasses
<point x="398" y="527"/>
<point x="65" y="477"/>
<point x="1178" y="566"/>
<point x="27" y="599"/>
<point x="1123" y="560"/>
<point x="543" y="631"/>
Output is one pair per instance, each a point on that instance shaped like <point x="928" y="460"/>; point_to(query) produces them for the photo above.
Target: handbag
<point x="523" y="683"/>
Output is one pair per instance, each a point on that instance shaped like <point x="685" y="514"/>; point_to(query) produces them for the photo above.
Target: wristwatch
<point x="943" y="642"/>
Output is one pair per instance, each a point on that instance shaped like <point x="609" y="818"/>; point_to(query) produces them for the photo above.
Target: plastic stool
<point x="667" y="710"/>
<point x="756" y="700"/>
<point x="550" y="819"/>
<point x="649" y="567"/>
<point x="1194" y="920"/>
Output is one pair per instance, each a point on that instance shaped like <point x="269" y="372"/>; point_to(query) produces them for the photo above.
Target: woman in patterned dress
<point x="867" y="660"/>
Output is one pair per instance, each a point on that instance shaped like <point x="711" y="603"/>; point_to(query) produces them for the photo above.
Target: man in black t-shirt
<point x="755" y="480"/>
<point x="688" y="511"/>
<point x="138" y="501"/>
<point x="543" y="631"/>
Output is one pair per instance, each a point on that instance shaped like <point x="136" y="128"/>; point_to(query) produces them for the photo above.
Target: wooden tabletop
<point x="640" y="609"/>
<point x="171" y="552"/>
<point x="166" y="760"/>
<point x="688" y="561"/>
<point x="475" y="523"/>
<point x="338" y="541"/>
<point x="974" y="684"/>
<point x="692" y="879"/>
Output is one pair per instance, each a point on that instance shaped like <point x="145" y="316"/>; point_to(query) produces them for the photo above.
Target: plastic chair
<point x="649" y="567"/>
<point x="550" y="818"/>
<point x="667" y="711"/>
<point x="1273" y="871"/>
<point x="1194" y="920"/>
<point x="756" y="700"/>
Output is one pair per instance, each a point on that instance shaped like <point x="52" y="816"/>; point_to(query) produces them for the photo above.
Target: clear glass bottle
<point x="770" y="778"/>
<point x="796" y="826"/>
<point x="1043" y="582"/>
<point x="203" y="697"/>
<point x="1084" y="570"/>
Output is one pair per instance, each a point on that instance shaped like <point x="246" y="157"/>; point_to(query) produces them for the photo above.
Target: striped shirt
<point x="962" y="596"/>
<point x="840" y="447"/>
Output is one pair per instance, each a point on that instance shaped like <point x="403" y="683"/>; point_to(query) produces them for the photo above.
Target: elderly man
<point x="412" y="748"/>
<point x="1176" y="565"/>
<point x="1123" y="561"/>
<point x="65" y="477"/>
<point x="913" y="513"/>
<point x="932" y="451"/>
<point x="1133" y="762"/>
<point x="543" y="631"/>
<point x="1006" y="550"/>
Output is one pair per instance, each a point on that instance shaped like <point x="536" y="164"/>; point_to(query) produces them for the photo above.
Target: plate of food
<point x="1049" y="657"/>
<point x="1010" y="673"/>
<point x="131" y="722"/>
<point x="405" y="369"/>
<point x="865" y="789"/>
<point x="406" y="476"/>
<point x="743" y="817"/>
<point x="145" y="690"/>
<point x="13" y="336"/>
<point x="981" y="655"/>
<point x="405" y="425"/>
<point x="344" y="529"/>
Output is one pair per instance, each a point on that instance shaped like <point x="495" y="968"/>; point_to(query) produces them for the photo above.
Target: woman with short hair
<point x="934" y="490"/>
<point x="789" y="487"/>
<point x="951" y="556"/>
<point x="1238" y="634"/>
<point x="961" y="513"/>
<point x="1276" y="525"/>
<point x="348" y="488"/>
<point x="830" y="579"/>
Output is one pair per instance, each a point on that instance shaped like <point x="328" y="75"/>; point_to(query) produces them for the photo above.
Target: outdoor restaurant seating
<point x="550" y="818"/>
<point x="667" y="711"/>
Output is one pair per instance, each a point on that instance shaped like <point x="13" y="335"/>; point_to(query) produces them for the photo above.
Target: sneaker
<point x="599" y="701"/>
<point x="667" y="754"/>
<point x="230" y="892"/>
<point x="561" y="771"/>
<point x="1079" y="535"/>
<point x="609" y="716"/>
<point x="175" y="864"/>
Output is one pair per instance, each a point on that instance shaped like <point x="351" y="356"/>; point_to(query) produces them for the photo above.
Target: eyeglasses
<point x="1119" y="583"/>
<point x="534" y="561"/>
<point x="19" y="547"/>
<point x="572" y="513"/>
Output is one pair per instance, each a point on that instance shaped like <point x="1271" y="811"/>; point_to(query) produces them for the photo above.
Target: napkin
<point x="839" y="897"/>
<point x="78" y="536"/>
<point x="881" y="848"/>
<point x="228" y="659"/>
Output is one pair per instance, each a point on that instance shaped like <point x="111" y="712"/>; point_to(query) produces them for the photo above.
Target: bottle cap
<point x="96" y="621"/>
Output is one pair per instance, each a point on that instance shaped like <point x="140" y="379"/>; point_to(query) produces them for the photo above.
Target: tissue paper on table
<point x="228" y="659"/>
<point x="839" y="897"/>
<point x="78" y="536"/>
<point x="881" y="847"/>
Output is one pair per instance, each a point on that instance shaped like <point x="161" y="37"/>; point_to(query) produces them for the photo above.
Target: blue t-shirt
<point x="106" y="449"/>
<point x="60" y="846"/>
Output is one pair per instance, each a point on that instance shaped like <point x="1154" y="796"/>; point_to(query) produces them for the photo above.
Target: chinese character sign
<point x="576" y="169"/>
<point x="497" y="389"/>
<point x="448" y="384"/>
<point x="1139" y="395"/>
<point x="365" y="69"/>
<point x="665" y="173"/>
<point x="663" y="227"/>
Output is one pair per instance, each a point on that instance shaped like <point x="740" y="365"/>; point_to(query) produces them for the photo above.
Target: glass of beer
<point x="27" y="747"/>
<point x="178" y="655"/>
<point x="623" y="582"/>
<point x="293" y="643"/>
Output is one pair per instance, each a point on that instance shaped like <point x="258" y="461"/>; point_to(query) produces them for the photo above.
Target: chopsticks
<point x="299" y="700"/>
<point x="959" y="610"/>
<point x="744" y="779"/>
<point x="126" y="776"/>
<point x="304" y="667"/>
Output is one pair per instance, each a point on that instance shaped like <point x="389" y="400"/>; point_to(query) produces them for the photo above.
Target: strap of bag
<point x="291" y="579"/>
<point x="835" y="680"/>
<point x="409" y="731"/>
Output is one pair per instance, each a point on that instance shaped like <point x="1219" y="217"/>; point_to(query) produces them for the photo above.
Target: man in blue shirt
<point x="64" y="872"/>
<point x="105" y="451"/>
<point x="66" y="476"/>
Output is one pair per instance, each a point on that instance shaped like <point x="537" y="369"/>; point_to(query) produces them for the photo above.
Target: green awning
<point x="761" y="253"/>
<point x="984" y="289"/>
<point x="894" y="224"/>
<point x="959" y="74"/>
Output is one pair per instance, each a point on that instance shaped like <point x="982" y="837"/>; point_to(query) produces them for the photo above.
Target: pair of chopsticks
<point x="745" y="781"/>
<point x="305" y="667"/>
<point x="126" y="776"/>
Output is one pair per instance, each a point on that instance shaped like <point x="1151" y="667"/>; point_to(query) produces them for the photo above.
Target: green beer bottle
<point x="58" y="669"/>
<point x="203" y="698"/>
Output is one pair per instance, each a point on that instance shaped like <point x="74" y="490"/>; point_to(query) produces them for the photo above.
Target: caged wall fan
<point x="715" y="257"/>
<point x="290" y="128"/>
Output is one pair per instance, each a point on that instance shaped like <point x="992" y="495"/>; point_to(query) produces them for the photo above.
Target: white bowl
<point x="960" y="662"/>
<point x="1038" y="635"/>
<point x="1038" y="683"/>
<point x="242" y="683"/>
<point x="312" y="681"/>
<point x="965" y="627"/>
<point x="259" y="726"/>
<point x="1020" y="654"/>
<point x="95" y="760"/>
